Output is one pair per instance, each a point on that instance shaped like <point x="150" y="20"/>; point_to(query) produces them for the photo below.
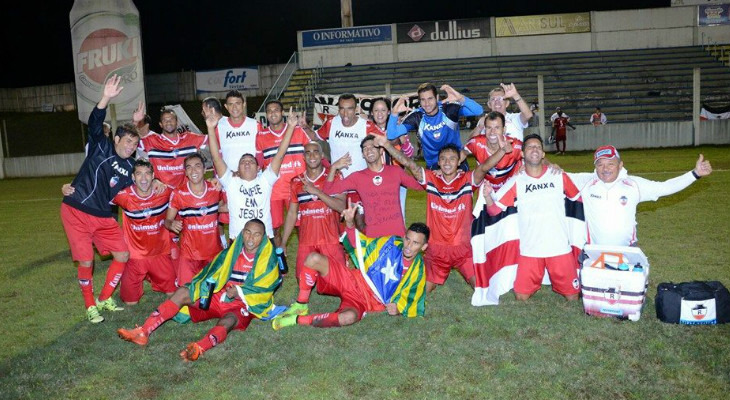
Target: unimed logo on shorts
<point x="108" y="51"/>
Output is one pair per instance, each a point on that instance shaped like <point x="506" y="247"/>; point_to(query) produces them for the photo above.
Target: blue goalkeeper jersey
<point x="437" y="130"/>
<point x="103" y="173"/>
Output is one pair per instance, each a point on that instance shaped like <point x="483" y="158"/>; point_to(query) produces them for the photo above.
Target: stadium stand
<point x="629" y="85"/>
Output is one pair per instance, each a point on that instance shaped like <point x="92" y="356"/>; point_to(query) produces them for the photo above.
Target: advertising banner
<point x="340" y="36"/>
<point x="713" y="14"/>
<point x="326" y="104"/>
<point x="224" y="80"/>
<point x="542" y="24"/>
<point x="433" y="31"/>
<point x="106" y="41"/>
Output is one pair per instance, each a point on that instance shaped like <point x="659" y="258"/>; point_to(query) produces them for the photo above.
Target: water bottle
<point x="638" y="268"/>
<point x="207" y="294"/>
<point x="281" y="256"/>
<point x="623" y="267"/>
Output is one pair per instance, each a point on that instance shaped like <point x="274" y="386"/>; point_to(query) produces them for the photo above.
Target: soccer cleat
<point x="284" y="321"/>
<point x="136" y="335"/>
<point x="108" y="305"/>
<point x="192" y="352"/>
<point x="92" y="314"/>
<point x="296" y="309"/>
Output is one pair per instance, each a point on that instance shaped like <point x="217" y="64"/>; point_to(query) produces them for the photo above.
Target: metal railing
<point x="282" y="81"/>
<point x="306" y="98"/>
<point x="718" y="50"/>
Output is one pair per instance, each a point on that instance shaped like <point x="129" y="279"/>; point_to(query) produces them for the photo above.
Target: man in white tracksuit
<point x="610" y="196"/>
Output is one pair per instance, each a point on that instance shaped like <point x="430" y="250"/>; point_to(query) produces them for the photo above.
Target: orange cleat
<point x="192" y="352"/>
<point x="136" y="335"/>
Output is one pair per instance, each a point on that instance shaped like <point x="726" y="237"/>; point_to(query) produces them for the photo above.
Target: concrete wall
<point x="610" y="30"/>
<point x="55" y="165"/>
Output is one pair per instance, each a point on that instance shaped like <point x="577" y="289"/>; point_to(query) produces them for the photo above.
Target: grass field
<point x="547" y="348"/>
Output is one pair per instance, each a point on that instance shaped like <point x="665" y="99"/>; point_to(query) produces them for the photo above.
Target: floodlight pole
<point x="696" y="106"/>
<point x="346" y="13"/>
<point x="541" y="102"/>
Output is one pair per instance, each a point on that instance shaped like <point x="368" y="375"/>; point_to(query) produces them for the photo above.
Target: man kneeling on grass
<point x="390" y="277"/>
<point x="245" y="276"/>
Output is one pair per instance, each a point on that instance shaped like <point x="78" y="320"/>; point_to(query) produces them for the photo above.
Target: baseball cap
<point x="607" y="152"/>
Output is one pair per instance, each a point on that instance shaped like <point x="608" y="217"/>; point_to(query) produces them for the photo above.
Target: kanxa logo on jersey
<point x="538" y="186"/>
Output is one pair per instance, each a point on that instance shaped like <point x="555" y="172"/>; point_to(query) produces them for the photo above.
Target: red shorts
<point x="187" y="268"/>
<point x="277" y="212"/>
<point x="335" y="254"/>
<point x="440" y="258"/>
<point x="218" y="310"/>
<point x="560" y="135"/>
<point x="85" y="231"/>
<point x="158" y="270"/>
<point x="349" y="285"/>
<point x="562" y="270"/>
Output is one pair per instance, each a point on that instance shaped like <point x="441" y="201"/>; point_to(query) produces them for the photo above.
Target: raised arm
<point x="305" y="126"/>
<point x="505" y="147"/>
<point x="211" y="121"/>
<point x="289" y="223"/>
<point x="415" y="169"/>
<point x="469" y="107"/>
<point x="281" y="152"/>
<point x="510" y="91"/>
<point x="394" y="129"/>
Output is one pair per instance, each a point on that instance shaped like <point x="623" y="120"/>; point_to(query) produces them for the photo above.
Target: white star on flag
<point x="389" y="272"/>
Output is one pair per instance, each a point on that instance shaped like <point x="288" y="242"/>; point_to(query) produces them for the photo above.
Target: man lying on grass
<point x="390" y="277"/>
<point x="245" y="276"/>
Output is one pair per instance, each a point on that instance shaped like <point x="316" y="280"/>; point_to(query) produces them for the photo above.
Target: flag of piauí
<point x="258" y="288"/>
<point x="381" y="263"/>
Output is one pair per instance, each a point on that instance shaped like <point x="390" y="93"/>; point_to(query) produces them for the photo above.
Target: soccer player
<point x="237" y="133"/>
<point x="243" y="291"/>
<point x="610" y="196"/>
<point x="515" y="123"/>
<point x="544" y="232"/>
<point x="448" y="212"/>
<point x="267" y="146"/>
<point x="502" y="155"/>
<point x="148" y="241"/>
<point x="344" y="132"/>
<point x="437" y="122"/>
<point x="560" y="125"/>
<point x="318" y="214"/>
<point x="379" y="188"/>
<point x="167" y="150"/>
<point x="249" y="190"/>
<point x="389" y="277"/>
<point x="196" y="202"/>
<point x="86" y="213"/>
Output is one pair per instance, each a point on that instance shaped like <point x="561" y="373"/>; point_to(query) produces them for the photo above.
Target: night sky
<point x="196" y="35"/>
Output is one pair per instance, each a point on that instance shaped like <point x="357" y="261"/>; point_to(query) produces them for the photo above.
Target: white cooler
<point x="609" y="292"/>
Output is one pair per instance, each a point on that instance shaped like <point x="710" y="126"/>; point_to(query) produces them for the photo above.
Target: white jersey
<point x="513" y="125"/>
<point x="555" y="116"/>
<point x="540" y="203"/>
<point x="236" y="141"/>
<point x="248" y="200"/>
<point x="344" y="140"/>
<point x="610" y="208"/>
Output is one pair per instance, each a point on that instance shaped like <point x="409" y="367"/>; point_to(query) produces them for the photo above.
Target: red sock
<point x="86" y="281"/>
<point x="215" y="336"/>
<point x="112" y="279"/>
<point x="329" y="320"/>
<point x="165" y="311"/>
<point x="307" y="280"/>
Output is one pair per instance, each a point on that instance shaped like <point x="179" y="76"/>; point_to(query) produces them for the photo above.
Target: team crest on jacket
<point x="113" y="181"/>
<point x="437" y="134"/>
<point x="377" y="180"/>
<point x="623" y="200"/>
<point x="203" y="210"/>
